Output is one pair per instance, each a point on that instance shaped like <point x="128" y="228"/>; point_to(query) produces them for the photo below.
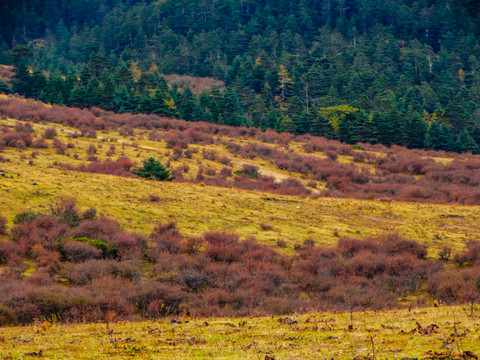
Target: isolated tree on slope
<point x="154" y="170"/>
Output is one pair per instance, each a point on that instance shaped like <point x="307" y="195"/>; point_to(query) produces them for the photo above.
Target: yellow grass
<point x="315" y="336"/>
<point x="197" y="208"/>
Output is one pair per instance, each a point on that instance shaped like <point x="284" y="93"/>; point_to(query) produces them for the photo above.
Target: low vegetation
<point x="430" y="333"/>
<point x="74" y="267"/>
<point x="243" y="202"/>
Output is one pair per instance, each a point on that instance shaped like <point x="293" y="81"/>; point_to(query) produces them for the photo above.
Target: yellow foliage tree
<point x="335" y="114"/>
<point x="285" y="81"/>
<point x="461" y="75"/>
<point x="135" y="71"/>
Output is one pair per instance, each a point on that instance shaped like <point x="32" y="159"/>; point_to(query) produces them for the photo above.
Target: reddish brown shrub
<point x="3" y="225"/>
<point x="251" y="171"/>
<point x="59" y="146"/>
<point x="120" y="167"/>
<point x="50" y="133"/>
<point x="222" y="246"/>
<point x="176" y="138"/>
<point x="331" y="154"/>
<point x="225" y="160"/>
<point x="225" y="173"/>
<point x="92" y="149"/>
<point x="40" y="144"/>
<point x="209" y="154"/>
<point x="16" y="139"/>
<point x="76" y="251"/>
<point x="43" y="230"/>
<point x="471" y="255"/>
<point x="167" y="238"/>
<point x="265" y="227"/>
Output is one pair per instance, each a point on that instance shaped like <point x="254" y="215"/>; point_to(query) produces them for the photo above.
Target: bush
<point x="250" y="171"/>
<point x="50" y="133"/>
<point x="40" y="144"/>
<point x="76" y="251"/>
<point x="3" y="225"/>
<point x="167" y="238"/>
<point x="108" y="250"/>
<point x="120" y="167"/>
<point x="7" y="315"/>
<point x="59" y="146"/>
<point x="92" y="149"/>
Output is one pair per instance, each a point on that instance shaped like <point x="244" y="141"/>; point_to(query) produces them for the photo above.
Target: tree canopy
<point x="410" y="68"/>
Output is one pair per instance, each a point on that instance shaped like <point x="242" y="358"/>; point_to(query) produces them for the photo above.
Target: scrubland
<point x="254" y="224"/>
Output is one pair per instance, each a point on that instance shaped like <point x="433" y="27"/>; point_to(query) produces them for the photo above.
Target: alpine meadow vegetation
<point x="250" y="179"/>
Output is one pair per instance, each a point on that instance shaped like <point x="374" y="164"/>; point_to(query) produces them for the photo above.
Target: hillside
<point x="264" y="195"/>
<point x="254" y="179"/>
<point x="255" y="223"/>
<point x="211" y="201"/>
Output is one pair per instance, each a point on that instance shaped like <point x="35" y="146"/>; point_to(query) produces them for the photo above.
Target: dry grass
<point x="197" y="208"/>
<point x="315" y="336"/>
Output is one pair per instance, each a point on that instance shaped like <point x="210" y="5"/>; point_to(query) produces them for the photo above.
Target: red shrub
<point x="59" y="146"/>
<point x="167" y="238"/>
<point x="43" y="230"/>
<point x="40" y="144"/>
<point x="120" y="167"/>
<point x="3" y="225"/>
<point x="176" y="138"/>
<point x="225" y="173"/>
<point x="19" y="140"/>
<point x="251" y="171"/>
<point x="471" y="255"/>
<point x="331" y="154"/>
<point x="225" y="160"/>
<point x="209" y="154"/>
<point x="76" y="251"/>
<point x="49" y="133"/>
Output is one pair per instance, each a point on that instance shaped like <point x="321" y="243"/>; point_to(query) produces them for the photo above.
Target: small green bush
<point x="7" y="316"/>
<point x="26" y="216"/>
<point x="108" y="250"/>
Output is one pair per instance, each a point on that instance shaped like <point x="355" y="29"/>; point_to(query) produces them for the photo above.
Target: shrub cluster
<point x="404" y="175"/>
<point x="119" y="167"/>
<point x="85" y="267"/>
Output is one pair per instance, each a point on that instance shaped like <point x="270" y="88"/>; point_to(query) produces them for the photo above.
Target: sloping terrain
<point x="254" y="223"/>
<point x="34" y="177"/>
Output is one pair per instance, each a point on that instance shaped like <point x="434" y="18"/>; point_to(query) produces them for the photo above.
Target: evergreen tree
<point x="21" y="78"/>
<point x="465" y="143"/>
<point x="154" y="170"/>
<point x="287" y="125"/>
<point x="416" y="130"/>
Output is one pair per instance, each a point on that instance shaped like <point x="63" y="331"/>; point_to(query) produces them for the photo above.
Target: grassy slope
<point x="324" y="335"/>
<point x="197" y="208"/>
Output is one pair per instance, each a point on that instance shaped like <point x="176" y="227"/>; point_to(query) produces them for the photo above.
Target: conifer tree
<point x="154" y="170"/>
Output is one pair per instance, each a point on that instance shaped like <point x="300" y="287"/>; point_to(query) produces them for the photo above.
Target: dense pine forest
<point x="391" y="72"/>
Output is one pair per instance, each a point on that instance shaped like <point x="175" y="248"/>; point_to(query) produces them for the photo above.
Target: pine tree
<point x="21" y="79"/>
<point x="465" y="143"/>
<point x="154" y="170"/>
<point x="287" y="125"/>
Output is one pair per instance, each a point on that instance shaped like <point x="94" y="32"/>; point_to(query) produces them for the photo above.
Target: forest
<point x="390" y="72"/>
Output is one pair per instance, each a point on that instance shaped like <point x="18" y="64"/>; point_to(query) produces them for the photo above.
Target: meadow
<point x="294" y="208"/>
<point x="366" y="335"/>
<point x="34" y="183"/>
